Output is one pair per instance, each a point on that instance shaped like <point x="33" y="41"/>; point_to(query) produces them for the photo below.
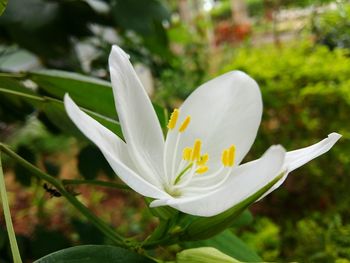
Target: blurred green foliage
<point x="190" y="69"/>
<point x="333" y="28"/>
<point x="222" y="10"/>
<point x="306" y="96"/>
<point x="62" y="24"/>
<point x="265" y="238"/>
<point x="257" y="8"/>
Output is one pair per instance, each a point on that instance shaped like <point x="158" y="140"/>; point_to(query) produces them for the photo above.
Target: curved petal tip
<point x="118" y="52"/>
<point x="334" y="136"/>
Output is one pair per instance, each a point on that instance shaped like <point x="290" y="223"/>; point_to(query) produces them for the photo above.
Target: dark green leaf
<point x="13" y="108"/>
<point x="23" y="175"/>
<point x="244" y="219"/>
<point x="47" y="241"/>
<point x="91" y="162"/>
<point x="94" y="254"/>
<point x="88" y="233"/>
<point x="158" y="43"/>
<point x="51" y="167"/>
<point x="3" y="238"/>
<point x="162" y="115"/>
<point x="139" y="15"/>
<point x="229" y="244"/>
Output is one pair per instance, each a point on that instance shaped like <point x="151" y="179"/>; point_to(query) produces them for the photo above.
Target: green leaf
<point x="23" y="175"/>
<point x="91" y="162"/>
<point x="7" y="214"/>
<point x="88" y="233"/>
<point x="229" y="244"/>
<point x="46" y="241"/>
<point x="162" y="114"/>
<point x="205" y="227"/>
<point x="13" y="108"/>
<point x="3" y="4"/>
<point x="244" y="219"/>
<point x="94" y="254"/>
<point x="139" y="16"/>
<point x="90" y="93"/>
<point x="51" y="107"/>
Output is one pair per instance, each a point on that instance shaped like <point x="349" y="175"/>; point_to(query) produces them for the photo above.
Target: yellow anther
<point x="231" y="155"/>
<point x="224" y="157"/>
<point x="184" y="124"/>
<point x="187" y="152"/>
<point x="196" y="153"/>
<point x="173" y="119"/>
<point x="203" y="159"/>
<point x="202" y="169"/>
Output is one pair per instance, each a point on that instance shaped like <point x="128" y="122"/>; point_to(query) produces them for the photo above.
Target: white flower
<point x="196" y="169"/>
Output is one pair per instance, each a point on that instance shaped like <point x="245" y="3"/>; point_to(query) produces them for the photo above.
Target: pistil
<point x="178" y="177"/>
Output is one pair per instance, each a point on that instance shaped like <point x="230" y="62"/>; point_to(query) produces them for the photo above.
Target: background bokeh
<point x="297" y="51"/>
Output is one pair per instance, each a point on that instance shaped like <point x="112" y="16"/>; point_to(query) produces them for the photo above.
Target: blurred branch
<point x="9" y="226"/>
<point x="96" y="183"/>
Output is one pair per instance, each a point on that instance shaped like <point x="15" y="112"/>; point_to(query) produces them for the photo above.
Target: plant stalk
<point x="5" y="204"/>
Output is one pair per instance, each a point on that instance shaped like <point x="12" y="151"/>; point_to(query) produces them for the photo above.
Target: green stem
<point x="168" y="240"/>
<point x="21" y="94"/>
<point x="5" y="204"/>
<point x="101" y="225"/>
<point x="96" y="182"/>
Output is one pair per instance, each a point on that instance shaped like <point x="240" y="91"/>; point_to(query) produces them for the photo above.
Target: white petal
<point x="113" y="148"/>
<point x="138" y="119"/>
<point x="224" y="111"/>
<point x="295" y="159"/>
<point x="244" y="181"/>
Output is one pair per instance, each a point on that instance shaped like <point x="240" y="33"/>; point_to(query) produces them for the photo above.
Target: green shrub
<point x="306" y="94"/>
<point x="265" y="239"/>
<point x="333" y="28"/>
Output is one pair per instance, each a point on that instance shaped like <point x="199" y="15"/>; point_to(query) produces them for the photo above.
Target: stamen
<point x="231" y="155"/>
<point x="224" y="157"/>
<point x="185" y="124"/>
<point x="186" y="155"/>
<point x="173" y="119"/>
<point x="202" y="169"/>
<point x="196" y="150"/>
<point x="203" y="159"/>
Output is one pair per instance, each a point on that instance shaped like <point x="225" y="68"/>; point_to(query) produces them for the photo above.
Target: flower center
<point x="193" y="161"/>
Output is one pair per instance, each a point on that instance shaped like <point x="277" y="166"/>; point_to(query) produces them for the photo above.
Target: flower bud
<point x="203" y="255"/>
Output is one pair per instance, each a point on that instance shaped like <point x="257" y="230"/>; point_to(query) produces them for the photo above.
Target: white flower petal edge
<point x="295" y="159"/>
<point x="113" y="148"/>
<point x="141" y="128"/>
<point x="244" y="181"/>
